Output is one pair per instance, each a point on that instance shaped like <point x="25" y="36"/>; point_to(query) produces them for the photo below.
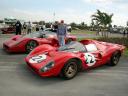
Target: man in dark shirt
<point x="18" y="27"/>
<point x="55" y="26"/>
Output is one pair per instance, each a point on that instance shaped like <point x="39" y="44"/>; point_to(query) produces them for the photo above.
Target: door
<point x="92" y="59"/>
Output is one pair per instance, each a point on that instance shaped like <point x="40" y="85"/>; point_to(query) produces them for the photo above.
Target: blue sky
<point x="68" y="10"/>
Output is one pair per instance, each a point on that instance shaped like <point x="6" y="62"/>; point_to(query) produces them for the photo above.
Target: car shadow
<point x="30" y="77"/>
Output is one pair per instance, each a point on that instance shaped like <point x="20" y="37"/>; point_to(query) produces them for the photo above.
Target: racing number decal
<point x="90" y="59"/>
<point x="37" y="59"/>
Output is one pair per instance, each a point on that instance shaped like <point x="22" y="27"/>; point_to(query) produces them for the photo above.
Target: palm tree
<point x="103" y="19"/>
<point x="127" y="29"/>
<point x="92" y="26"/>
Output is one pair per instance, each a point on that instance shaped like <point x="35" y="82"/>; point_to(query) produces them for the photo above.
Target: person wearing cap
<point x="61" y="33"/>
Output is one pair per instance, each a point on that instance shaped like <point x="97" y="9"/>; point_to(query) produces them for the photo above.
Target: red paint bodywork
<point x="103" y="55"/>
<point x="8" y="30"/>
<point x="17" y="43"/>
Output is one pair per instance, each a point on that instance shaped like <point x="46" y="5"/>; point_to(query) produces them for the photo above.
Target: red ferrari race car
<point x="68" y="60"/>
<point x="27" y="43"/>
<point x="8" y="30"/>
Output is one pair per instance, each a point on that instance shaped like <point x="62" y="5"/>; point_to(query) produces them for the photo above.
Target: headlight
<point x="47" y="67"/>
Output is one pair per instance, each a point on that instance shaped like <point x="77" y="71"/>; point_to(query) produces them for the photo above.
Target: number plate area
<point x="37" y="59"/>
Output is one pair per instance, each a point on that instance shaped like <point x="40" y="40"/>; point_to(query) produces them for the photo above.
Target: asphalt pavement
<point x="17" y="80"/>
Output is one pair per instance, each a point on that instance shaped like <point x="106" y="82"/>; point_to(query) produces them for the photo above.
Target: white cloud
<point x="103" y="1"/>
<point x="123" y="7"/>
<point x="73" y="15"/>
<point x="117" y="7"/>
<point x="119" y="19"/>
<point x="99" y="1"/>
<point x="68" y="14"/>
<point x="28" y="15"/>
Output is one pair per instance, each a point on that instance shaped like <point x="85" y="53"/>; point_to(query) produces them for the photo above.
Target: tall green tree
<point x="127" y="29"/>
<point x="103" y="19"/>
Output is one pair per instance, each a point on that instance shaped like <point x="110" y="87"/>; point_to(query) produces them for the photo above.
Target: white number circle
<point x="90" y="59"/>
<point x="37" y="59"/>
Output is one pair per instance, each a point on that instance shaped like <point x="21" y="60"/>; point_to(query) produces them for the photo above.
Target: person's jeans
<point x="61" y="40"/>
<point x="29" y="31"/>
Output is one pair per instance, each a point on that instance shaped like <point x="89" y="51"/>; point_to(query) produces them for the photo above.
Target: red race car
<point x="8" y="30"/>
<point x="66" y="61"/>
<point x="27" y="43"/>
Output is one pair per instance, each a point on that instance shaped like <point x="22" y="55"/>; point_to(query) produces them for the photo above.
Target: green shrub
<point x="121" y="41"/>
<point x="126" y="52"/>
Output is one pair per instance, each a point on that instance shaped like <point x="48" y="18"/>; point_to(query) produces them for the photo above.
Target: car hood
<point x="53" y="55"/>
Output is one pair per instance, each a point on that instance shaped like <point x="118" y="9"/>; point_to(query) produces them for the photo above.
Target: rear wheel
<point x="70" y="69"/>
<point x="114" y="59"/>
<point x="31" y="45"/>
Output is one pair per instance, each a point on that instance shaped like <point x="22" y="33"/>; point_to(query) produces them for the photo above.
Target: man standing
<point x="29" y="27"/>
<point x="55" y="26"/>
<point x="37" y="27"/>
<point x="18" y="27"/>
<point x="24" y="28"/>
<point x="61" y="33"/>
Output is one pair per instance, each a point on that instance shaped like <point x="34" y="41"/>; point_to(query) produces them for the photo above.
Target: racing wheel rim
<point x="31" y="45"/>
<point x="71" y="70"/>
<point x="116" y="59"/>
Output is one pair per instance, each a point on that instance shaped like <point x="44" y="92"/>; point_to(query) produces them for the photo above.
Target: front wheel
<point x="70" y="69"/>
<point x="31" y="45"/>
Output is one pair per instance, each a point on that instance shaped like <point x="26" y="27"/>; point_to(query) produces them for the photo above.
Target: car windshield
<point x="50" y="30"/>
<point x="39" y="34"/>
<point x="73" y="46"/>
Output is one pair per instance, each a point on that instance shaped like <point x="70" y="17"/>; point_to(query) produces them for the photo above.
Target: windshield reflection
<point x="73" y="46"/>
<point x="39" y="34"/>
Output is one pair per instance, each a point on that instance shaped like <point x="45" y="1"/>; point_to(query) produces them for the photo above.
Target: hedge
<point x="122" y="41"/>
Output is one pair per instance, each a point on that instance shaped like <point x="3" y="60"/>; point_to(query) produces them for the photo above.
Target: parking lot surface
<point x="17" y="80"/>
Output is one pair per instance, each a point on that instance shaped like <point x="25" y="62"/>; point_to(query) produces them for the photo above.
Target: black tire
<point x="114" y="59"/>
<point x="31" y="45"/>
<point x="70" y="69"/>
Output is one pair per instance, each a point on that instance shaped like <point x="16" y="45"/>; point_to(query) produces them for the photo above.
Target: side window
<point x="91" y="47"/>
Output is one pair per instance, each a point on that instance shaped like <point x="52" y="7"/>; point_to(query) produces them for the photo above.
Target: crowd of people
<point x="23" y="29"/>
<point x="26" y="27"/>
